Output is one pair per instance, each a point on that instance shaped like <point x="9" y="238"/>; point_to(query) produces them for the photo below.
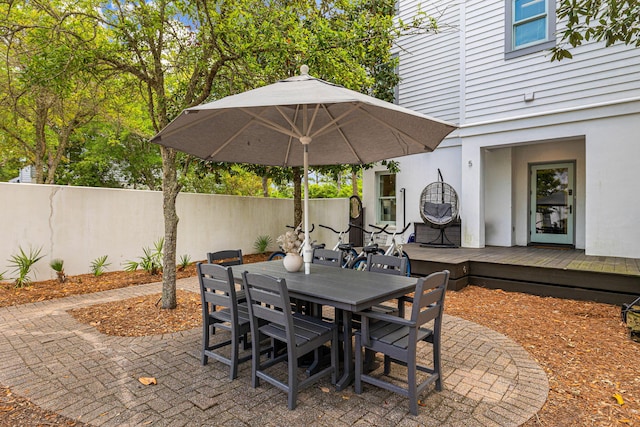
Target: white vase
<point x="292" y="262"/>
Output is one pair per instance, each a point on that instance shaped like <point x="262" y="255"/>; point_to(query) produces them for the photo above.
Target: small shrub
<point x="262" y="243"/>
<point x="99" y="265"/>
<point x="23" y="264"/>
<point x="57" y="265"/>
<point x="131" y="265"/>
<point x="184" y="262"/>
<point x="151" y="261"/>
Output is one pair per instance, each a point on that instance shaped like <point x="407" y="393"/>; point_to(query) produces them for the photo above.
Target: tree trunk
<point x="170" y="190"/>
<point x="40" y="151"/>
<point x="297" y="196"/>
<point x="265" y="186"/>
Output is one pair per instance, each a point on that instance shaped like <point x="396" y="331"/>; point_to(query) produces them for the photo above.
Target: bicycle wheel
<point x="404" y="254"/>
<point x="349" y="256"/>
<point x="276" y="255"/>
<point x="360" y="263"/>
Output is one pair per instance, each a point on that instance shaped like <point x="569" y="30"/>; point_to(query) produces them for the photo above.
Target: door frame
<point x="569" y="238"/>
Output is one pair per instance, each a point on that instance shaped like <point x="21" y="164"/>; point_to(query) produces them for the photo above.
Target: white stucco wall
<point x="79" y="224"/>
<point x="498" y="193"/>
<point x="416" y="172"/>
<point x="601" y="139"/>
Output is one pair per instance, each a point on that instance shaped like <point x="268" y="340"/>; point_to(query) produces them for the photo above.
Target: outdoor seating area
<point x="85" y="375"/>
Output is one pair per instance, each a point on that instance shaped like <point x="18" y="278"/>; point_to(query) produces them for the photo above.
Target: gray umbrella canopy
<point x="302" y="121"/>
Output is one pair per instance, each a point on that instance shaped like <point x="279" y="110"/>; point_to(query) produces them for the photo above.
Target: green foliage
<point x="262" y="243"/>
<point x="99" y="265"/>
<point x="130" y="265"/>
<point x="23" y="263"/>
<point x="105" y="156"/>
<point x="184" y="262"/>
<point x="57" y="265"/>
<point x="150" y="261"/>
<point x="611" y="21"/>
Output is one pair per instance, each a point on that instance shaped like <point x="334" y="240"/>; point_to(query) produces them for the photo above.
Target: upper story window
<point x="386" y="195"/>
<point x="530" y="26"/>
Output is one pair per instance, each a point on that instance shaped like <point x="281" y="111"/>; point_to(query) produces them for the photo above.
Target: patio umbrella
<point x="276" y="125"/>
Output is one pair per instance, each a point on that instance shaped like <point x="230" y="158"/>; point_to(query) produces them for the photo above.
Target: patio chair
<point x="439" y="209"/>
<point x="221" y="310"/>
<point x="268" y="300"/>
<point x="398" y="339"/>
<point x="327" y="257"/>
<point x="388" y="264"/>
<point x="226" y="257"/>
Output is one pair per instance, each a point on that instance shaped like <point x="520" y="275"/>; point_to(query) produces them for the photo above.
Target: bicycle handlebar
<point x="335" y="231"/>
<point x="367" y="231"/>
<point x="313" y="226"/>
<point x="389" y="232"/>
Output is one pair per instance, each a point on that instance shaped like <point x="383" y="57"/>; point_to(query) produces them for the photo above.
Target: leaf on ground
<point x="618" y="398"/>
<point x="147" y="380"/>
<point x="324" y="389"/>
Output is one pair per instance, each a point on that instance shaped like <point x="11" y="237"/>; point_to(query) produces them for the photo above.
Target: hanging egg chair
<point x="439" y="208"/>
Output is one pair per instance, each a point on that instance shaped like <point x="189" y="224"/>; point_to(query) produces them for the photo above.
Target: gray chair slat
<point x="220" y="310"/>
<point x="398" y="339"/>
<point x="226" y="258"/>
<point x="300" y="333"/>
<point x="327" y="257"/>
<point x="387" y="264"/>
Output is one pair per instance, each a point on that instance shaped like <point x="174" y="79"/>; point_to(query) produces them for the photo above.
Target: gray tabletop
<point x="338" y="287"/>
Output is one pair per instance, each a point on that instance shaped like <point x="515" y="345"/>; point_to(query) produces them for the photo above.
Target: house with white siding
<point x="546" y="153"/>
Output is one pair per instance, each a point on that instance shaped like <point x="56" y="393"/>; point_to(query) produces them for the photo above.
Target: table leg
<point x="348" y="368"/>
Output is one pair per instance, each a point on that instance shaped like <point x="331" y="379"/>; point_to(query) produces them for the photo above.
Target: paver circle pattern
<point x="72" y="369"/>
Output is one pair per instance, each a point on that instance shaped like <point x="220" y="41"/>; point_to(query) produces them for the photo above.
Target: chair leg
<point x="437" y="363"/>
<point x="412" y="387"/>
<point x="205" y="343"/>
<point x="334" y="357"/>
<point x="233" y="374"/>
<point x="292" y="364"/>
<point x="358" y="362"/>
<point x="387" y="364"/>
<point x="255" y="358"/>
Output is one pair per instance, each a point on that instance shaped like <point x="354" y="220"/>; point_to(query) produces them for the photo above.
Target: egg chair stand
<point x="439" y="209"/>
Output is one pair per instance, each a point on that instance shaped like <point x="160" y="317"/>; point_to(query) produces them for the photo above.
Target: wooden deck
<point x="566" y="273"/>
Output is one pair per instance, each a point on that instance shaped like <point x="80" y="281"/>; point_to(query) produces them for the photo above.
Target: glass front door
<point x="552" y="200"/>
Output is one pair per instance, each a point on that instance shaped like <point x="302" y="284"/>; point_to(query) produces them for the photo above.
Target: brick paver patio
<point x="70" y="368"/>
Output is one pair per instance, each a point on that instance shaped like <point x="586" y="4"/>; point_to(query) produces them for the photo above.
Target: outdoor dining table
<point x="345" y="289"/>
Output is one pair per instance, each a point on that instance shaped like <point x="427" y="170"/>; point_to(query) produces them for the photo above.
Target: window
<point x="530" y="26"/>
<point x="386" y="209"/>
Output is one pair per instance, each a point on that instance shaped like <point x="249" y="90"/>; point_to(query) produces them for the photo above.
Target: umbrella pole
<point x="307" y="252"/>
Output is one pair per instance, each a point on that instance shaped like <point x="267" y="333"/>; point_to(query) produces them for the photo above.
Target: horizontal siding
<point x="495" y="87"/>
<point x="430" y="63"/>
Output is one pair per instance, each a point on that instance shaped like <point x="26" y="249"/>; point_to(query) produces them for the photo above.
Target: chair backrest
<point x="328" y="257"/>
<point x="226" y="258"/>
<point x="217" y="288"/>
<point x="268" y="299"/>
<point x="387" y="264"/>
<point x="428" y="299"/>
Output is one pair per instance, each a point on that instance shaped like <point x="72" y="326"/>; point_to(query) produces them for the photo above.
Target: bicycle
<point x="281" y="254"/>
<point x="394" y="249"/>
<point x="360" y="261"/>
<point x="346" y="248"/>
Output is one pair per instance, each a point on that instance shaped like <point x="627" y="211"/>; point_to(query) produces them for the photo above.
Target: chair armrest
<point x="387" y="318"/>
